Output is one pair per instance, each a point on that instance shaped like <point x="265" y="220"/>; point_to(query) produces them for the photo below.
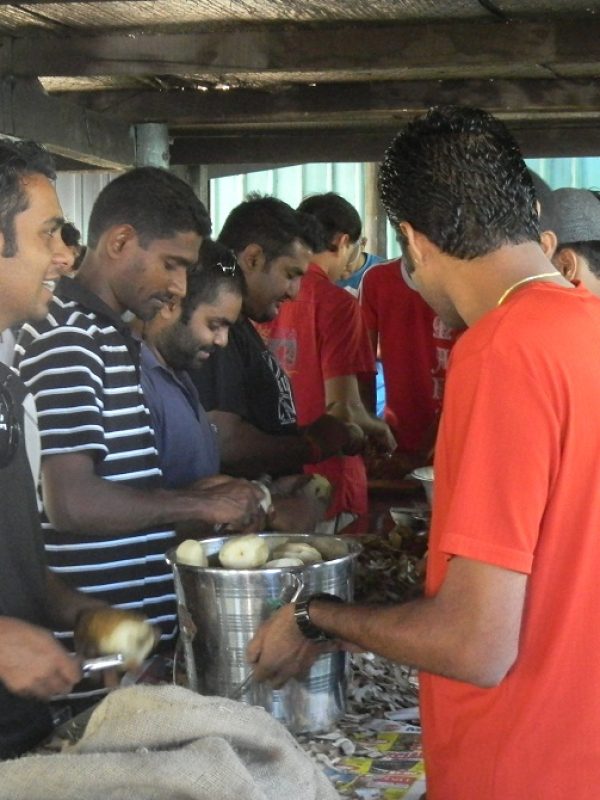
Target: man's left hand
<point x="279" y="652"/>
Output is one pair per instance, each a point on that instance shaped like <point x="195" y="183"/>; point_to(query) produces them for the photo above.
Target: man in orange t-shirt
<point x="506" y="638"/>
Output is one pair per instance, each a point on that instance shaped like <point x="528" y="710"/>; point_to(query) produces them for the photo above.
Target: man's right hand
<point x="329" y="436"/>
<point x="234" y="502"/>
<point x="33" y="663"/>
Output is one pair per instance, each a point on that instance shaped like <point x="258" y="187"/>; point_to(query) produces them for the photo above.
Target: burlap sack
<point x="167" y="743"/>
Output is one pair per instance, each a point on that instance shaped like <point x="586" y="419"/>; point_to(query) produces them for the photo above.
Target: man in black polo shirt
<point x="33" y="665"/>
<point x="247" y="394"/>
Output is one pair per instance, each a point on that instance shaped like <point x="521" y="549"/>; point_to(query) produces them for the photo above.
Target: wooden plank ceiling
<point x="288" y="81"/>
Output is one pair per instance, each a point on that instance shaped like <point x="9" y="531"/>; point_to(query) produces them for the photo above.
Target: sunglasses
<point x="228" y="264"/>
<point x="10" y="426"/>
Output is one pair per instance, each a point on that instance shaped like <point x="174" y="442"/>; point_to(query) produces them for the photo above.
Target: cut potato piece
<point x="276" y="542"/>
<point x="244" y="552"/>
<point x="318" y="486"/>
<point x="284" y="562"/>
<point x="307" y="553"/>
<point x="329" y="547"/>
<point x="192" y="553"/>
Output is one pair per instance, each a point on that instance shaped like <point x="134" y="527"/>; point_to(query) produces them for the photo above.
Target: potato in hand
<point x="107" y="631"/>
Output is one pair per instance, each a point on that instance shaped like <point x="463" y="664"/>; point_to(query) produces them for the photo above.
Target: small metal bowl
<point x="425" y="476"/>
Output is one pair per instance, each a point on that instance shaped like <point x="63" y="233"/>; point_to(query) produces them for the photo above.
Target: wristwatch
<point x="302" y="617"/>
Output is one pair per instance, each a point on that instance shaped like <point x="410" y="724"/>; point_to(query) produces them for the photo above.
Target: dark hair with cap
<point x="266" y="221"/>
<point x="18" y="160"/>
<point x="336" y="216"/>
<point x="578" y="224"/>
<point x="457" y="176"/>
<point x="217" y="270"/>
<point x="154" y="201"/>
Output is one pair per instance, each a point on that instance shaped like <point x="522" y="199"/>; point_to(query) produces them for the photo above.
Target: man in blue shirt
<point x="180" y="337"/>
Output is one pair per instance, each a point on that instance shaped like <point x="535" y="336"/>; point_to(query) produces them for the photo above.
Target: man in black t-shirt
<point x="247" y="394"/>
<point x="33" y="666"/>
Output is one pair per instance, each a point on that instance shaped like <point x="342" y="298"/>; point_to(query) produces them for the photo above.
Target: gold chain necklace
<point x="523" y="281"/>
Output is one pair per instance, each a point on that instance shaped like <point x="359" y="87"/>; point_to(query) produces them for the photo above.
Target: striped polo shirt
<point x="82" y="366"/>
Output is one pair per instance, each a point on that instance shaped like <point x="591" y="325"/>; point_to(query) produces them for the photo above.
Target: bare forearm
<point x="97" y="506"/>
<point x="246" y="450"/>
<point x="344" y="402"/>
<point x="469" y="631"/>
<point x="79" y="501"/>
<point x="408" y="634"/>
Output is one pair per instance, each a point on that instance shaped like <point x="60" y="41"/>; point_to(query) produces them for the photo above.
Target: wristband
<point x="302" y="617"/>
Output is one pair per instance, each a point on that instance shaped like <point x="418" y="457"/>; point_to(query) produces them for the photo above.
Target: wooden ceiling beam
<point x="308" y="106"/>
<point x="66" y="129"/>
<point x="434" y="49"/>
<point x="296" y="147"/>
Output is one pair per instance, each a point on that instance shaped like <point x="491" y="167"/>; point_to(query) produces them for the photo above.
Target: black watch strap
<point x="302" y="617"/>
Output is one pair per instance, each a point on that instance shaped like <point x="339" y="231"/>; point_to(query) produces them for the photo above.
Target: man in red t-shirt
<point x="506" y="638"/>
<point x="322" y="343"/>
<point x="414" y="345"/>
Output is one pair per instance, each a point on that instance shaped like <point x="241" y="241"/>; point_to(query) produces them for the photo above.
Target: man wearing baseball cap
<point x="577" y="227"/>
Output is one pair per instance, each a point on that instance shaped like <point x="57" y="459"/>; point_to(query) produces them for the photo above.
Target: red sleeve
<point x="345" y="347"/>
<point x="368" y="301"/>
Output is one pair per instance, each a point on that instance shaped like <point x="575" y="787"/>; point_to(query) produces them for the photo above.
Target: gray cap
<point x="577" y="215"/>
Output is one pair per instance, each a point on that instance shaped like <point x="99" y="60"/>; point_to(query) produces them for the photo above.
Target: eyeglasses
<point x="10" y="426"/>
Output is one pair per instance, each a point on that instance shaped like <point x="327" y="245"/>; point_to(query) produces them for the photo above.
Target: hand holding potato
<point x="330" y="436"/>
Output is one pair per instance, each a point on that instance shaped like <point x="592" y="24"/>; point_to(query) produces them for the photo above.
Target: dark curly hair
<point x="17" y="160"/>
<point x="457" y="176"/>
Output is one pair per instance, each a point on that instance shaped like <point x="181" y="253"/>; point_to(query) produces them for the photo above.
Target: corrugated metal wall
<point x="78" y="190"/>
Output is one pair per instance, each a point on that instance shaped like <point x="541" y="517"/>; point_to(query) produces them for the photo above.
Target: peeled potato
<point x="319" y="487"/>
<point x="109" y="631"/>
<point x="305" y="552"/>
<point x="192" y="553"/>
<point x="276" y="542"/>
<point x="244" y="552"/>
<point x="284" y="562"/>
<point x="329" y="547"/>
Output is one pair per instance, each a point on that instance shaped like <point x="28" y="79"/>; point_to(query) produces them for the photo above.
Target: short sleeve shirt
<point x="414" y="347"/>
<point x="517" y="476"/>
<point x="245" y="379"/>
<point x="187" y="444"/>
<point x="82" y="366"/>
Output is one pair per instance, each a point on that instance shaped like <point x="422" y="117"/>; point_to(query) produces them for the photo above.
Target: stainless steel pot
<point x="221" y="609"/>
